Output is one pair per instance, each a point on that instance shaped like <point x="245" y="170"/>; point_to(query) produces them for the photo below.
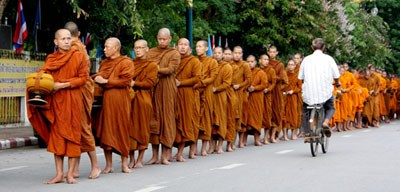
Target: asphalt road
<point x="361" y="160"/>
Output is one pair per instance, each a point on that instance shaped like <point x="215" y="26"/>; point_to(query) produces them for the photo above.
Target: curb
<point x="17" y="142"/>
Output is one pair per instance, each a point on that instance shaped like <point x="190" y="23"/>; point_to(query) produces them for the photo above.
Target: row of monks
<point x="182" y="99"/>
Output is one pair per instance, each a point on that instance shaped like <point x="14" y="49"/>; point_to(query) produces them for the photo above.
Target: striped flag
<point x="209" y="51"/>
<point x="213" y="41"/>
<point x="21" y="31"/>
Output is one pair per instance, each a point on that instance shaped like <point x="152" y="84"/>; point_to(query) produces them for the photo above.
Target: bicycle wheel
<point x="324" y="143"/>
<point x="314" y="143"/>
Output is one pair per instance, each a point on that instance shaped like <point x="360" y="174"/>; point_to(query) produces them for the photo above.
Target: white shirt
<point x="318" y="71"/>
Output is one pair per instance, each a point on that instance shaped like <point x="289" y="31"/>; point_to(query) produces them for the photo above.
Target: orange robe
<point x="387" y="95"/>
<point x="163" y="122"/>
<point x="221" y="110"/>
<point x="267" y="115"/>
<point x="87" y="141"/>
<point x="372" y="84"/>
<point x="277" y="94"/>
<point x="256" y="100"/>
<point x="346" y="103"/>
<point x="188" y="73"/>
<point x="59" y="123"/>
<point x="114" y="122"/>
<point x="209" y="70"/>
<point x="393" y="96"/>
<point x="145" y="78"/>
<point x="382" y="90"/>
<point x="233" y="108"/>
<point x="353" y="95"/>
<point x="292" y="120"/>
<point x="299" y="98"/>
<point x="338" y="100"/>
<point x="241" y="75"/>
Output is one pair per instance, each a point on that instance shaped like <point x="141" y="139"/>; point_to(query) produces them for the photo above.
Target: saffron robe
<point x="267" y="115"/>
<point x="114" y="121"/>
<point x="256" y="100"/>
<point x="292" y="120"/>
<point x="277" y="94"/>
<point x="163" y="120"/>
<point x="145" y="78"/>
<point x="59" y="122"/>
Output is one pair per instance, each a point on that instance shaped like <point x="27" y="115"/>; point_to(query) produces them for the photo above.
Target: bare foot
<point x="131" y="165"/>
<point x="71" y="180"/>
<point x="204" y="153"/>
<point x="257" y="143"/>
<point x="75" y="175"/>
<point x="220" y="151"/>
<point x="107" y="170"/>
<point x="192" y="156"/>
<point x="125" y="169"/>
<point x="274" y="141"/>
<point x="180" y="159"/>
<point x="241" y="145"/>
<point x="138" y="165"/>
<point x="210" y="151"/>
<point x="229" y="149"/>
<point x="55" y="180"/>
<point x="294" y="137"/>
<point x="233" y="146"/>
<point x="165" y="162"/>
<point x="95" y="173"/>
<point x="153" y="161"/>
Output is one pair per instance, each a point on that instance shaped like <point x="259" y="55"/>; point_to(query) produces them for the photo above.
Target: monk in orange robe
<point x="221" y="106"/>
<point x="59" y="122"/>
<point x="298" y="58"/>
<point x="256" y="100"/>
<point x="352" y="95"/>
<point x="372" y="84"/>
<point x="386" y="96"/>
<point x="394" y="86"/>
<point x="115" y="75"/>
<point x="375" y="95"/>
<point x="87" y="141"/>
<point x="291" y="101"/>
<point x="143" y="82"/>
<point x="382" y="92"/>
<point x="277" y="93"/>
<point x="233" y="107"/>
<point x="241" y="80"/>
<point x="209" y="69"/>
<point x="267" y="115"/>
<point x="187" y="75"/>
<point x="163" y="121"/>
<point x="360" y="94"/>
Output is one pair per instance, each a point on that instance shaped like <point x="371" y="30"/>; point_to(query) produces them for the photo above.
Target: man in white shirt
<point x="318" y="71"/>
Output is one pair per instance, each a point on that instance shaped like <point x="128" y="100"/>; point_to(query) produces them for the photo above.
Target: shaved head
<point x="164" y="31"/>
<point x="114" y="41"/>
<point x="60" y="32"/>
<point x="141" y="42"/>
<point x="73" y="28"/>
<point x="204" y="42"/>
<point x="183" y="40"/>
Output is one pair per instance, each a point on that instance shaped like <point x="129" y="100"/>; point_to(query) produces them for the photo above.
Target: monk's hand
<point x="236" y="87"/>
<point x="100" y="80"/>
<point x="59" y="85"/>
<point x="214" y="89"/>
<point x="132" y="83"/>
<point x="177" y="82"/>
<point x="265" y="90"/>
<point x="290" y="92"/>
<point x="251" y="88"/>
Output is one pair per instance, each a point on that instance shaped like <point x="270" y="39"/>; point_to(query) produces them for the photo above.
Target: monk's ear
<point x="55" y="42"/>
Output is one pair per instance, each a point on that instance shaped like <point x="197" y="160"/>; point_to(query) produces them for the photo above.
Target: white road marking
<point x="12" y="168"/>
<point x="149" y="189"/>
<point x="366" y="131"/>
<point x="346" y="136"/>
<point x="231" y="166"/>
<point x="284" y="151"/>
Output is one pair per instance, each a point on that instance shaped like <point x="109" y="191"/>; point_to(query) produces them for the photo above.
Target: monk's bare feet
<point x="153" y="161"/>
<point x="220" y="151"/>
<point x="107" y="170"/>
<point x="204" y="153"/>
<point x="125" y="169"/>
<point x="165" y="162"/>
<point x="56" y="179"/>
<point x="258" y="143"/>
<point x="211" y="151"/>
<point x="229" y="149"/>
<point x="71" y="180"/>
<point x="294" y="137"/>
<point x="138" y="165"/>
<point x="180" y="158"/>
<point x="274" y="141"/>
<point x="131" y="165"/>
<point x="193" y="156"/>
<point x="95" y="173"/>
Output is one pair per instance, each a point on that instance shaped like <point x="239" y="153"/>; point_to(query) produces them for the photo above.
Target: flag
<point x="99" y="51"/>
<point x="88" y="39"/>
<point x="219" y="41"/>
<point x="21" y="31"/>
<point x="209" y="51"/>
<point x="213" y="41"/>
<point x="37" y="25"/>
<point x="226" y="43"/>
<point x="133" y="54"/>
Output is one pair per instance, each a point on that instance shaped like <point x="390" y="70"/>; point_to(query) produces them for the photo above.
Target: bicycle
<point x="317" y="137"/>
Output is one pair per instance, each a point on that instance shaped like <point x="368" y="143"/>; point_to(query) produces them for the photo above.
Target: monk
<point x="59" y="122"/>
<point x="352" y="96"/>
<point x="256" y="100"/>
<point x="209" y="67"/>
<point x="372" y="84"/>
<point x="375" y="95"/>
<point x="233" y="106"/>
<point x="187" y="76"/>
<point x="221" y="106"/>
<point x="163" y="121"/>
<point x="386" y="96"/>
<point x="143" y="82"/>
<point x="291" y="101"/>
<point x="277" y="93"/>
<point x="114" y="77"/>
<point x="87" y="141"/>
<point x="346" y="102"/>
<point x="394" y="86"/>
<point x="298" y="58"/>
<point x="267" y="115"/>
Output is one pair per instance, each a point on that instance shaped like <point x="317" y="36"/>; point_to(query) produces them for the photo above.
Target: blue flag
<point x="209" y="52"/>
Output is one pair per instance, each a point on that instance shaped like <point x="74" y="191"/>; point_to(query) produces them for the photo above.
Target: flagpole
<point x="189" y="18"/>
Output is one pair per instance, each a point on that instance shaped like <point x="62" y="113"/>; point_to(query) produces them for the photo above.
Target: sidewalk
<point x="17" y="137"/>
